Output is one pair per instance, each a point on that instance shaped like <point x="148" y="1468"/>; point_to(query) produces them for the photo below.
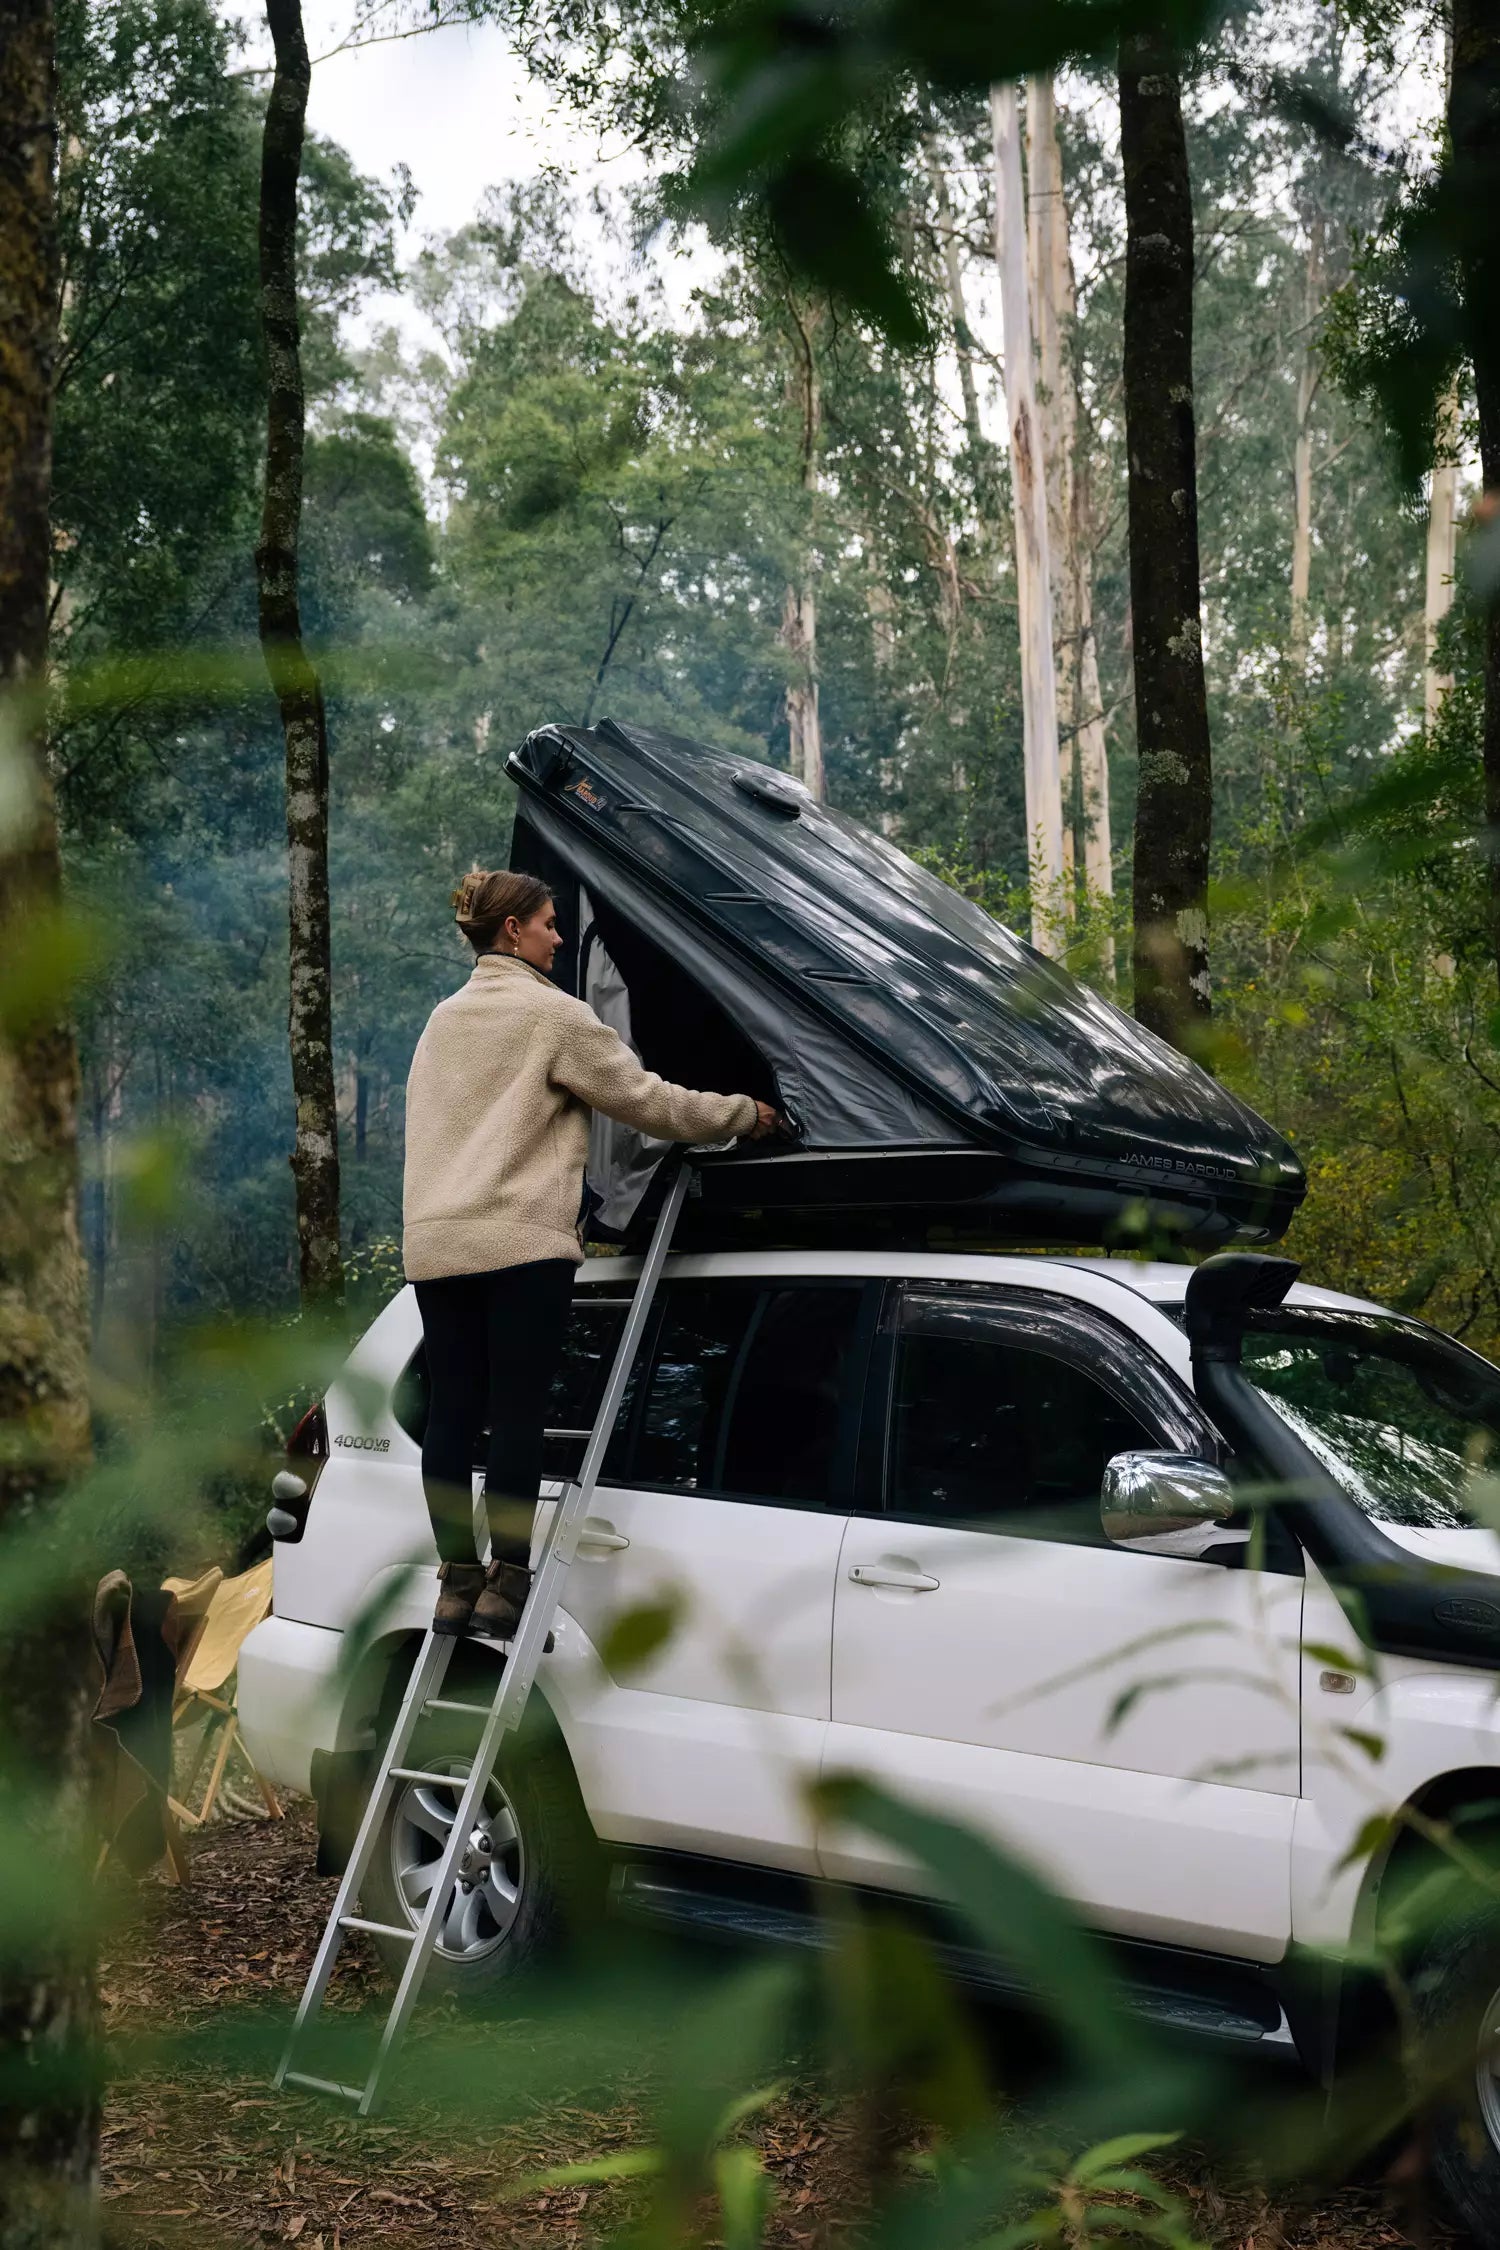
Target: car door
<point x="1128" y="1722"/>
<point x="723" y="1509"/>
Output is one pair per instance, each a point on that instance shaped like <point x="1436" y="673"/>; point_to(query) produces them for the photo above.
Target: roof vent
<point x="769" y="786"/>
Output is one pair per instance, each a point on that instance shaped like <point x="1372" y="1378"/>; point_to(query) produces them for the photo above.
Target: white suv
<point x="869" y="1486"/>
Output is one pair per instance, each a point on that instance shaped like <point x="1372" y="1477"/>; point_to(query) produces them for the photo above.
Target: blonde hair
<point x="487" y="897"/>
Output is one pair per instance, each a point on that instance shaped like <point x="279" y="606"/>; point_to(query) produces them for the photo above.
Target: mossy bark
<point x="1174" y="803"/>
<point x="48" y="2106"/>
<point x="294" y="678"/>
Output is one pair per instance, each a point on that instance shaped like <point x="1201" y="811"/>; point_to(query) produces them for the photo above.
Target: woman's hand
<point x="767" y="1121"/>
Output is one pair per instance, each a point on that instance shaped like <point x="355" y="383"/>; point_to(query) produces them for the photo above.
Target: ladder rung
<point x="418" y="1773"/>
<point x="447" y="1703"/>
<point x="323" y="2085"/>
<point x="377" y="1929"/>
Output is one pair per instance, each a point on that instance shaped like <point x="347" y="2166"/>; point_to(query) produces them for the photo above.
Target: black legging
<point x="493" y="1343"/>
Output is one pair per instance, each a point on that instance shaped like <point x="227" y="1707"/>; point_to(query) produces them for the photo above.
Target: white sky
<point x="454" y="105"/>
<point x="459" y="109"/>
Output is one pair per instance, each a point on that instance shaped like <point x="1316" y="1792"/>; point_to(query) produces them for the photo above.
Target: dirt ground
<point x="199" y="2151"/>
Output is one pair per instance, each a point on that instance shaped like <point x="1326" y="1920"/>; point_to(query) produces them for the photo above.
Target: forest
<point x="570" y="504"/>
<point x="1066" y="439"/>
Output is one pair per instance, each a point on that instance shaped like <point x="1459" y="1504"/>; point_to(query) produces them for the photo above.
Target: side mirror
<point x="1165" y="1503"/>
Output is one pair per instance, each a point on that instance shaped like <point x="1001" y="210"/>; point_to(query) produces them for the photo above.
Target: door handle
<point x="603" y="1537"/>
<point x="911" y="1581"/>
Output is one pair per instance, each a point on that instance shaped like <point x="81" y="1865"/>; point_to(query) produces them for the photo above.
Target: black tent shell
<point x="943" y="1076"/>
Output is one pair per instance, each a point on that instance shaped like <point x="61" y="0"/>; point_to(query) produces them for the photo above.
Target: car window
<point x="593" y="1334"/>
<point x="588" y="1354"/>
<point x="790" y="1427"/>
<point x="753" y="1392"/>
<point x="703" y="1325"/>
<point x="995" y="1433"/>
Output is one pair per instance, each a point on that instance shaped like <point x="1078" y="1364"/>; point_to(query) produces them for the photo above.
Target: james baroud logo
<point x="1146" y="1161"/>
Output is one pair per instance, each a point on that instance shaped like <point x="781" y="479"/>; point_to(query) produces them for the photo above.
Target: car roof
<point x="1166" y="1285"/>
<point x="1160" y="1285"/>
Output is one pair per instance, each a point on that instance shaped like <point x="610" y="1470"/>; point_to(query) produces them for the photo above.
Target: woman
<point x="497" y="1130"/>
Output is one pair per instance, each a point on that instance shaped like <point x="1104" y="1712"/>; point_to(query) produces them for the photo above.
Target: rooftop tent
<point x="940" y="1073"/>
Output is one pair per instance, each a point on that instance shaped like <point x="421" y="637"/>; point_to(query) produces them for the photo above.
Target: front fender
<point x="1364" y="1756"/>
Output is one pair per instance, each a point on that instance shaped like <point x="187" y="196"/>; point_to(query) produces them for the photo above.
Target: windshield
<point x="1404" y="1418"/>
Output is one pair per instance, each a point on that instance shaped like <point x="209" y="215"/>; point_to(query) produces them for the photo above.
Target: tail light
<point x="292" y="1488"/>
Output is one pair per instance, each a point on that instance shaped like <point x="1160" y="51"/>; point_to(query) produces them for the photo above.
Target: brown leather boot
<point x="462" y="1585"/>
<point x="497" y="1612"/>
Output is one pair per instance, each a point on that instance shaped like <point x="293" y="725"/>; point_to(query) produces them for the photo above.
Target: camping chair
<point x="144" y="1644"/>
<point x="207" y="1694"/>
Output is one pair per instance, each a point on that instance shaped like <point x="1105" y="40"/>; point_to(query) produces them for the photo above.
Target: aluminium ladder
<point x="422" y="1695"/>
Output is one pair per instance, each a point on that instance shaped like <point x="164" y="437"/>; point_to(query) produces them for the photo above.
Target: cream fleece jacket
<point x="497" y="1120"/>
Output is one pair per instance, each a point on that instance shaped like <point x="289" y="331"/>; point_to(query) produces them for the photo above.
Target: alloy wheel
<point x="487" y="1897"/>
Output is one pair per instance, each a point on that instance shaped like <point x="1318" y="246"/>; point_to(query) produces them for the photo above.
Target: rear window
<point x="593" y="1335"/>
<point x="751" y="1390"/>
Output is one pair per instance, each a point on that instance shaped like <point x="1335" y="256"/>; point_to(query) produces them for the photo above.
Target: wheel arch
<point x="1408" y="1852"/>
<point x="341" y="1779"/>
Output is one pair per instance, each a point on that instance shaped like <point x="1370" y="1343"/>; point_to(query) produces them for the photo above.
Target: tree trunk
<point x="958" y="311"/>
<point x="48" y="2113"/>
<point x="799" y="612"/>
<point x="1033" y="559"/>
<point x="294" y="680"/>
<point x="804" y="725"/>
<point x="1442" y="525"/>
<point x="1308" y="374"/>
<point x="1474" y="130"/>
<point x="1174" y="805"/>
<point x="1070" y="532"/>
<point x="1442" y="511"/>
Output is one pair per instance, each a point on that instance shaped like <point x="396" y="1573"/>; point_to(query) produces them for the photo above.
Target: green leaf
<point x="896" y="2021"/>
<point x="720" y="2056"/>
<point x="1373" y="1835"/>
<point x="746" y="2194"/>
<point x="639" y="1633"/>
<point x="1012" y="1911"/>
<point x="1373" y="1745"/>
<point x="824" y="223"/>
<point x="1121" y="2150"/>
<point x="746" y="2105"/>
<point x="625" y="2164"/>
<point x="44" y="961"/>
<point x="1339" y="1659"/>
<point x="1126" y="2180"/>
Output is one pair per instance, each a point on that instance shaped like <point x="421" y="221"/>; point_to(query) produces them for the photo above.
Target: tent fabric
<point x="757" y="941"/>
<point x="621" y="1159"/>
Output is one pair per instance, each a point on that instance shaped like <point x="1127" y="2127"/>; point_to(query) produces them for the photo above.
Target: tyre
<point x="1454" y="1984"/>
<point x="532" y="1872"/>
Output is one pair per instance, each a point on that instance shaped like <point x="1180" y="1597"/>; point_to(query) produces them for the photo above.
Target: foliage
<point x="1362" y="1011"/>
<point x="612" y="518"/>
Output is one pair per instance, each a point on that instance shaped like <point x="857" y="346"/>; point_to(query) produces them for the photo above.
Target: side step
<point x="1248" y="2014"/>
